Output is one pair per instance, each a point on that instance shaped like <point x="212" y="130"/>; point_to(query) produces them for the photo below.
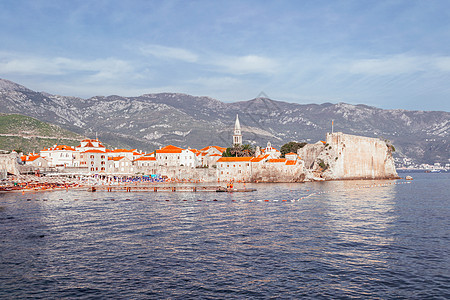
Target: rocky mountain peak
<point x="7" y="85"/>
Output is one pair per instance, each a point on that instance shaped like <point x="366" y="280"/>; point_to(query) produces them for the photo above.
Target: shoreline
<point x="34" y="184"/>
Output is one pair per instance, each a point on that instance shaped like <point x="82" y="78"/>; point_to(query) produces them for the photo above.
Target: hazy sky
<point x="389" y="54"/>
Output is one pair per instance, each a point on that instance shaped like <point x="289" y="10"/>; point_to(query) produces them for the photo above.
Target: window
<point x="103" y="169"/>
<point x="92" y="156"/>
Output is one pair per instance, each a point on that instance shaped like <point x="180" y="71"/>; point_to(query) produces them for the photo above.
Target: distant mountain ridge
<point x="152" y="120"/>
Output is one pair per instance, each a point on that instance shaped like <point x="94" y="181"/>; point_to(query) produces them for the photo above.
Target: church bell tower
<point x="237" y="136"/>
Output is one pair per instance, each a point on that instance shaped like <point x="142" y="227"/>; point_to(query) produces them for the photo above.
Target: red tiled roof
<point x="291" y="162"/>
<point x="291" y="153"/>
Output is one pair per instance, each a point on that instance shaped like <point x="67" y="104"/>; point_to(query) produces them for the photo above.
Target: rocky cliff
<point x="346" y="156"/>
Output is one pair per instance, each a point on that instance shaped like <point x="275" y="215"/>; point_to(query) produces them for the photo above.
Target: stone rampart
<point x="9" y="163"/>
<point x="348" y="156"/>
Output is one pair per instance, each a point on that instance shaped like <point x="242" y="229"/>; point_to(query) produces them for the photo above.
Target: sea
<point x="374" y="239"/>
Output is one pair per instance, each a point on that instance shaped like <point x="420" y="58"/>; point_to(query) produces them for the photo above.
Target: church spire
<point x="237" y="136"/>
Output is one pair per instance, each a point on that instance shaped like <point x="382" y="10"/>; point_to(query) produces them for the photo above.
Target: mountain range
<point x="152" y="120"/>
<point x="27" y="134"/>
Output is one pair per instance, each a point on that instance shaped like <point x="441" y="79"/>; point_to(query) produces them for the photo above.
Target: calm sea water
<point x="344" y="241"/>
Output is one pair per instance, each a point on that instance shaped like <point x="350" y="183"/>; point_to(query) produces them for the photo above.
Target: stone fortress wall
<point x="9" y="163"/>
<point x="346" y="156"/>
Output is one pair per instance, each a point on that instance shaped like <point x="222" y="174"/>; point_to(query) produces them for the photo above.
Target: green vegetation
<point x="391" y="147"/>
<point x="323" y="165"/>
<point x="239" y="151"/>
<point x="22" y="133"/>
<point x="291" y="147"/>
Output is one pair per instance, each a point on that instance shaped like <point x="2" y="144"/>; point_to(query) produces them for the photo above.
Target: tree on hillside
<point x="291" y="147"/>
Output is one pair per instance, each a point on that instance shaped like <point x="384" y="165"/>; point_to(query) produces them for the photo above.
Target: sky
<point x="388" y="54"/>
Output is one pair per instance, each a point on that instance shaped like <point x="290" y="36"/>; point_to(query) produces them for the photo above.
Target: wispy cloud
<point x="249" y="64"/>
<point x="399" y="64"/>
<point x="23" y="64"/>
<point x="169" y="53"/>
<point x="443" y="63"/>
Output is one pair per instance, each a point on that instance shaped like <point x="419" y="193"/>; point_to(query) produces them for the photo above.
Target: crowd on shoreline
<point x="24" y="183"/>
<point x="37" y="183"/>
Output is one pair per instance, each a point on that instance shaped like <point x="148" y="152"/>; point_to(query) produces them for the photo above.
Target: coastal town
<point x="340" y="156"/>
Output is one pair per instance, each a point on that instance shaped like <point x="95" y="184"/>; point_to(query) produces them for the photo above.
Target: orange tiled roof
<point x="260" y="158"/>
<point x="122" y="150"/>
<point x="116" y="158"/>
<point x="232" y="159"/>
<point x="168" y="151"/>
<point x="290" y="162"/>
<point x="59" y="147"/>
<point x="145" y="158"/>
<point x="276" y="160"/>
<point x="291" y="153"/>
<point x="93" y="151"/>
<point x="30" y="157"/>
<point x="215" y="155"/>
<point x="221" y="149"/>
<point x="64" y="147"/>
<point x="33" y="157"/>
<point x="171" y="147"/>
